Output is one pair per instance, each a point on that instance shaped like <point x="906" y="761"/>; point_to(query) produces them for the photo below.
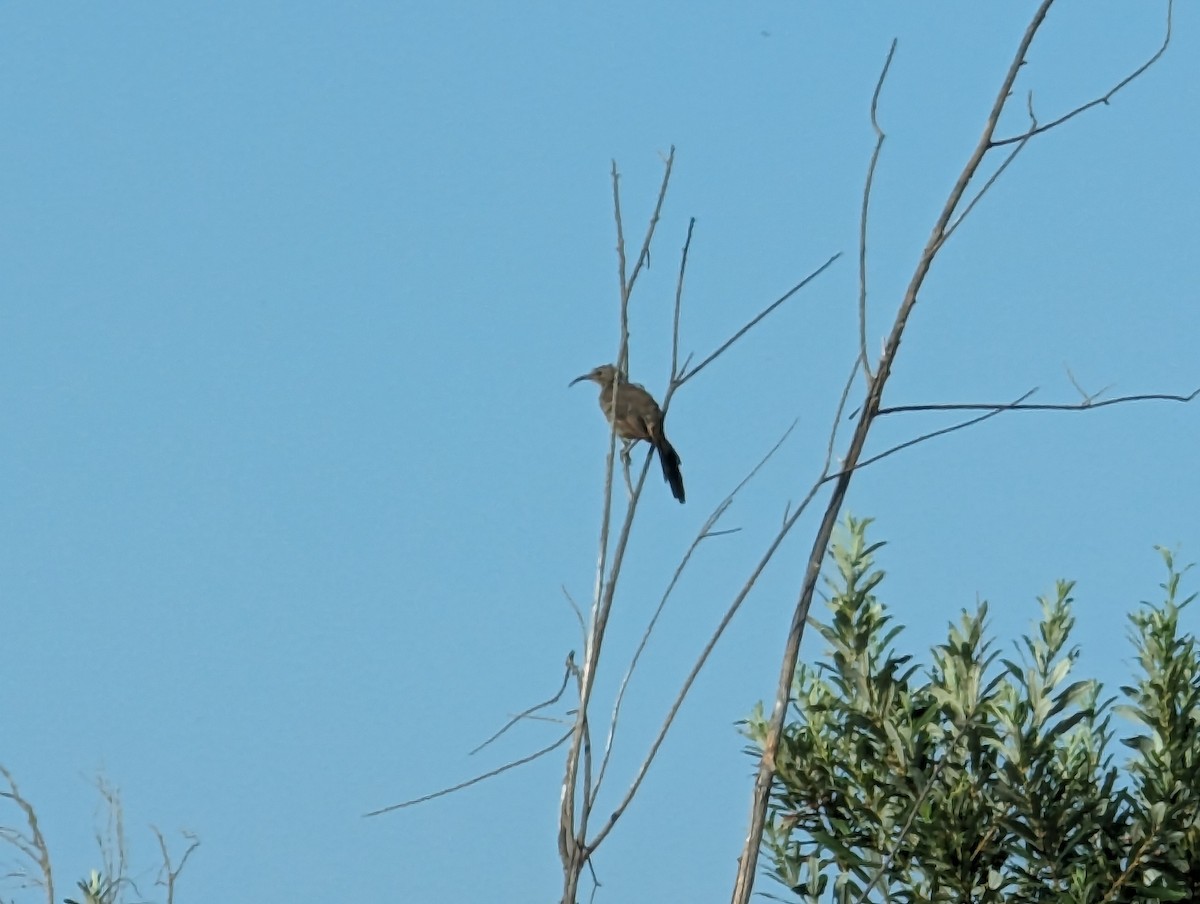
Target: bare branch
<point x="644" y="254"/>
<point x="473" y="781"/>
<point x="862" y="222"/>
<point x="683" y="259"/>
<point x="32" y="846"/>
<point x="1086" y="405"/>
<point x="168" y="874"/>
<point x="951" y="429"/>
<point x="1038" y="130"/>
<point x="1087" y="397"/>
<point x="754" y="321"/>
<point x="837" y="416"/>
<point x="622" y="358"/>
<point x="568" y="669"/>
<point x="111" y="842"/>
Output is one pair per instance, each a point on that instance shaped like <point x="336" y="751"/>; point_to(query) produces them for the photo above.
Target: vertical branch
<point x="683" y="259"/>
<point x="573" y="826"/>
<point x="569" y="838"/>
<point x="623" y="350"/>
<point x="644" y="254"/>
<point x="112" y="841"/>
<point x="864" y="359"/>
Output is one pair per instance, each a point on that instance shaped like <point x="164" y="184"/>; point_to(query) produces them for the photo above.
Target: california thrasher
<point x="637" y="416"/>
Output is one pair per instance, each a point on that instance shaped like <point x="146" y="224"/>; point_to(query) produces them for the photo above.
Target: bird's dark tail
<point x="670" y="465"/>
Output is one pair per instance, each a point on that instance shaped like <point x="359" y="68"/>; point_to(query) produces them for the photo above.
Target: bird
<point x="636" y="416"/>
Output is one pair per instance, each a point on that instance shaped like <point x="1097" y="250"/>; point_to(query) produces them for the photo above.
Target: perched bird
<point x="636" y="416"/>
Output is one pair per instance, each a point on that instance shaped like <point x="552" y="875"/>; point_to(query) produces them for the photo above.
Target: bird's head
<point x="604" y="375"/>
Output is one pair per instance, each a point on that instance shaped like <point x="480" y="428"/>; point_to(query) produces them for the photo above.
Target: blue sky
<point x="293" y="477"/>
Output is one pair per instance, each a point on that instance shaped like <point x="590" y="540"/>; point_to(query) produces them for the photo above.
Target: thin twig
<point x="111" y="843"/>
<point x="1086" y="405"/>
<point x="1038" y="130"/>
<point x="754" y="321"/>
<point x="473" y="781"/>
<point x="862" y="222"/>
<point x="683" y="259"/>
<point x="837" y="416"/>
<point x="936" y="433"/>
<point x="578" y="614"/>
<point x="567" y="672"/>
<point x="644" y="254"/>
<point x="1087" y="396"/>
<point x="622" y="363"/>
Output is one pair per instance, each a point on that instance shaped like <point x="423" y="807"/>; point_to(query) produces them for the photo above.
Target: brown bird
<point x="636" y="416"/>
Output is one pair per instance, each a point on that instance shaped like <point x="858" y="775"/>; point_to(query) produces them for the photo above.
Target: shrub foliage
<point x="982" y="778"/>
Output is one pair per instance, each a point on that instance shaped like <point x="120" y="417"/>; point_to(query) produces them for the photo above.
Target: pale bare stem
<point x="31" y="845"/>
<point x="837" y="416"/>
<point x="568" y="845"/>
<point x="631" y="792"/>
<point x="1075" y="383"/>
<point x="862" y="223"/>
<point x="572" y="826"/>
<point x="568" y="669"/>
<point x="622" y="362"/>
<point x="586" y="797"/>
<point x="1088" y="404"/>
<point x="168" y="874"/>
<point x="748" y="862"/>
<point x="111" y="842"/>
<point x="644" y="254"/>
<point x="683" y="259"/>
<point x="1053" y="124"/>
<point x="569" y="848"/>
<point x="1087" y="397"/>
<point x="599" y="626"/>
<point x="754" y="321"/>
<point x="472" y="781"/>
<point x="578" y="615"/>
